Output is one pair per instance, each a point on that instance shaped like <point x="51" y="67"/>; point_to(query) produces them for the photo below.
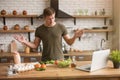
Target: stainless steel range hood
<point x="59" y="14"/>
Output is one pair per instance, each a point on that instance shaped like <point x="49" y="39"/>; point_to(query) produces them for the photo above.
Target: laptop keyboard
<point x="88" y="68"/>
<point x="85" y="67"/>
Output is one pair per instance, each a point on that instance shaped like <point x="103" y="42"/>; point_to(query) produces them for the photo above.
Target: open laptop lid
<point x="99" y="59"/>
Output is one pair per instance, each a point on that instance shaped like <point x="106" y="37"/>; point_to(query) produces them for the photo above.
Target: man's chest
<point x="50" y="33"/>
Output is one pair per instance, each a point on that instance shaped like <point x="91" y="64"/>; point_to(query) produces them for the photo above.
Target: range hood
<point x="59" y="14"/>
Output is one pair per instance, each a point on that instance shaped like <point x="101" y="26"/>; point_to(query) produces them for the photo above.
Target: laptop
<point x="99" y="61"/>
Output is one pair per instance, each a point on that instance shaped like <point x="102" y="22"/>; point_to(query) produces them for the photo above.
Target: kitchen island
<point x="55" y="73"/>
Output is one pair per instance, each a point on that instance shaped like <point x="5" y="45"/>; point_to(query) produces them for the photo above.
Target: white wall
<point x="89" y="41"/>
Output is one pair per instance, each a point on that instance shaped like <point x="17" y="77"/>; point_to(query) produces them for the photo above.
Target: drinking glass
<point x="86" y="11"/>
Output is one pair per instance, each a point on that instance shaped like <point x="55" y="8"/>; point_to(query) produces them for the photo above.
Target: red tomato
<point x="43" y="66"/>
<point x="37" y="65"/>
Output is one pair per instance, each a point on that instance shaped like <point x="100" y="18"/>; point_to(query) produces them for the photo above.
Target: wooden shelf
<point x="16" y="31"/>
<point x="18" y="16"/>
<point x="91" y="16"/>
<point x="98" y="30"/>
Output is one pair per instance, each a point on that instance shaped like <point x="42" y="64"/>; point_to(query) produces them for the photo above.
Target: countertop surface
<point x="54" y="72"/>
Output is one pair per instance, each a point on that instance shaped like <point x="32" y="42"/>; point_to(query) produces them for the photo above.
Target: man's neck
<point x="50" y="25"/>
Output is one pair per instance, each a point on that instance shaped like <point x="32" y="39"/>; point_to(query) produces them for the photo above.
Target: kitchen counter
<point x="33" y="54"/>
<point x="82" y="55"/>
<point x="21" y="54"/>
<point x="55" y="73"/>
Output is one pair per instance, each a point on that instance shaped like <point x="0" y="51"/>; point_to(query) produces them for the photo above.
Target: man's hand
<point x="20" y="38"/>
<point x="78" y="33"/>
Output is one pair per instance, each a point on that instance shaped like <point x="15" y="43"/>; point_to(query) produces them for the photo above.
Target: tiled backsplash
<point x="89" y="41"/>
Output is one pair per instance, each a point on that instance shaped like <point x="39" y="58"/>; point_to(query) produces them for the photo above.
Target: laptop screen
<point x="99" y="59"/>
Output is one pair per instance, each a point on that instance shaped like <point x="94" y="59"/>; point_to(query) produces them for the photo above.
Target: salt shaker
<point x="10" y="70"/>
<point x="73" y="64"/>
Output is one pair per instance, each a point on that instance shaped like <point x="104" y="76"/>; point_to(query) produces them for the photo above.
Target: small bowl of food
<point x="64" y="63"/>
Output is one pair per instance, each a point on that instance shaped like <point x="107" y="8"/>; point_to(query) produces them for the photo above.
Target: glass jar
<point x="27" y="49"/>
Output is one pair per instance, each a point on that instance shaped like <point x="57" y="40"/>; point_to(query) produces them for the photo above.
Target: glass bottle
<point x="103" y="12"/>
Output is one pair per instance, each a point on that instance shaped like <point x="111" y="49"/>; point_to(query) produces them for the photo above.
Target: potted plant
<point x="115" y="58"/>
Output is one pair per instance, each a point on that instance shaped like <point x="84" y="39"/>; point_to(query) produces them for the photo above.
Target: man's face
<point x="50" y="19"/>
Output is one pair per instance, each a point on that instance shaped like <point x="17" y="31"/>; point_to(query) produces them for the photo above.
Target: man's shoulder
<point x="59" y="24"/>
<point x="41" y="26"/>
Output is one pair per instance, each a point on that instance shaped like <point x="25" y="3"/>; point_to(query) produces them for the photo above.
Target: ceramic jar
<point x="5" y="27"/>
<point x="3" y="12"/>
<point x="14" y="12"/>
<point x="24" y="12"/>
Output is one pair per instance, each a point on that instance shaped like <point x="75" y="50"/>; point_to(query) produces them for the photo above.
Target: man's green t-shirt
<point x="52" y="41"/>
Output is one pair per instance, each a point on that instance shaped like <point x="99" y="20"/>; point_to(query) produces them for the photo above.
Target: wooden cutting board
<point x="13" y="46"/>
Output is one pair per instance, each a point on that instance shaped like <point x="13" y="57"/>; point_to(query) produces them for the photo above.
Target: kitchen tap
<point x="40" y="48"/>
<point x="101" y="44"/>
<point x="64" y="48"/>
<point x="65" y="51"/>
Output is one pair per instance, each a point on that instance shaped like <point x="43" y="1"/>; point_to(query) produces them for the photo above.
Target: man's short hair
<point x="48" y="11"/>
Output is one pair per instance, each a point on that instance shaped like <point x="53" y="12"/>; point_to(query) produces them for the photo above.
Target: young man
<point x="50" y="33"/>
